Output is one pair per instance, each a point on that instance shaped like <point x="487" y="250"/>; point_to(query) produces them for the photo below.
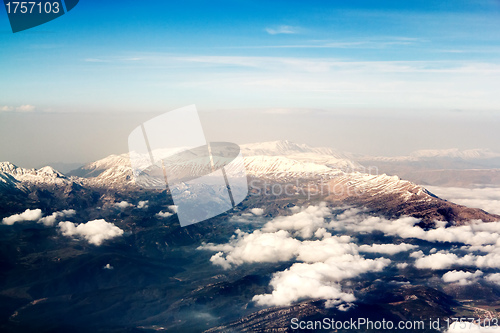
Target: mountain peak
<point x="280" y="147"/>
<point x="7" y="167"/>
<point x="50" y="171"/>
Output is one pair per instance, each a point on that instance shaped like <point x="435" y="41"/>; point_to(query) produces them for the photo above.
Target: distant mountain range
<point x="447" y="167"/>
<point x="335" y="177"/>
<point x="454" y="153"/>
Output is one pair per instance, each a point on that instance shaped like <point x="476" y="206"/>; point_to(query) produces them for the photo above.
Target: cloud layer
<point x="321" y="260"/>
<point x="487" y="199"/>
<point x="322" y="248"/>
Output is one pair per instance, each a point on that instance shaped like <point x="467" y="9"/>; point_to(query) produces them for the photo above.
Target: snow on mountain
<point x="280" y="161"/>
<point x="302" y="153"/>
<point x="311" y="171"/>
<point x="377" y="185"/>
<point x="283" y="167"/>
<point x="45" y="175"/>
<point x="8" y="182"/>
<point x="94" y="169"/>
<point x="115" y="175"/>
<point x="277" y="159"/>
<point x="281" y="148"/>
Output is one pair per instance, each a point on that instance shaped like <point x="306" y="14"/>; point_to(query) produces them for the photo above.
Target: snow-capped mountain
<point x="45" y="175"/>
<point x="277" y="159"/>
<point x="331" y="174"/>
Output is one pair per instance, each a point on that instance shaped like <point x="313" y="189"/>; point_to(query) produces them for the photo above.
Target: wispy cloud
<point x="20" y="108"/>
<point x="366" y="43"/>
<point x="422" y="84"/>
<point x="282" y="29"/>
<point x="95" y="60"/>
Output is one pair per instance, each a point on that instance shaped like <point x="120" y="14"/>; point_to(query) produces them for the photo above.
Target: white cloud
<point x="417" y="254"/>
<point x="462" y="277"/>
<point x="49" y="221"/>
<point x="282" y="29"/>
<point x="475" y="233"/>
<point x="143" y="204"/>
<point x="487" y="198"/>
<point x="318" y="280"/>
<point x="303" y="223"/>
<point x="123" y="204"/>
<point x="257" y="211"/>
<point x="164" y="214"/>
<point x="95" y="232"/>
<point x="321" y="258"/>
<point x="255" y="247"/>
<point x="325" y="260"/>
<point x="494" y="278"/>
<point x="387" y="248"/>
<point x="302" y="281"/>
<point x="443" y="260"/>
<point x="108" y="266"/>
<point x="27" y="215"/>
<point x="173" y="208"/>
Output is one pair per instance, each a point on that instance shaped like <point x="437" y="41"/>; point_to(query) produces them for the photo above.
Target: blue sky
<point x="411" y="63"/>
<point x="137" y="56"/>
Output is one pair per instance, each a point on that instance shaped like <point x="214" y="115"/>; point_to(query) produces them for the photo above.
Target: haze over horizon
<point x="366" y="77"/>
<point x="35" y="140"/>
